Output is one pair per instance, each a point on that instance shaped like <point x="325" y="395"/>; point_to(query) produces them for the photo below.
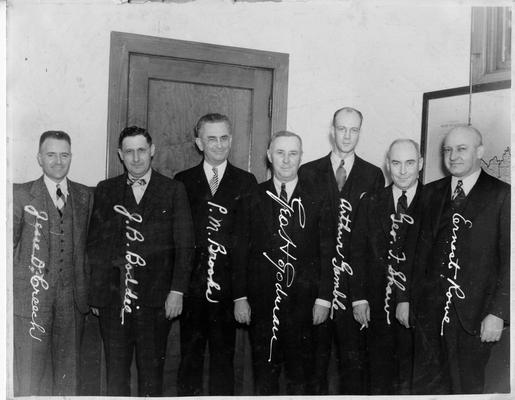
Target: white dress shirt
<point x="139" y="190"/>
<point x="208" y="170"/>
<point x="289" y="187"/>
<point x="349" y="162"/>
<point x="468" y="182"/>
<point x="52" y="188"/>
<point x="410" y="194"/>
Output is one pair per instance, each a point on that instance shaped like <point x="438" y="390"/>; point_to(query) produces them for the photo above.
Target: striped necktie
<point x="213" y="183"/>
<point x="459" y="195"/>
<point x="283" y="195"/>
<point x="60" y="200"/>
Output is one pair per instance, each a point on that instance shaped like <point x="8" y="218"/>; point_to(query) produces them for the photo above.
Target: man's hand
<point x="362" y="314"/>
<point x="320" y="314"/>
<point x="242" y="311"/>
<point x="94" y="311"/>
<point x="491" y="328"/>
<point x="173" y="305"/>
<point x="402" y="313"/>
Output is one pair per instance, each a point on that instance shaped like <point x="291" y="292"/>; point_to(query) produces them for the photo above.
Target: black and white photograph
<point x="257" y="198"/>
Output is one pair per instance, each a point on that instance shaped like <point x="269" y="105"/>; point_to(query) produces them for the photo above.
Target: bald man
<point x="464" y="256"/>
<point x="382" y="254"/>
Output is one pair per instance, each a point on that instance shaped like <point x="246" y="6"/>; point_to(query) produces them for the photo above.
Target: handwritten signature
<point x="37" y="268"/>
<point x="393" y="274"/>
<point x="453" y="264"/>
<point x="344" y="221"/>
<point x="285" y="269"/>
<point x="133" y="259"/>
<point x="214" y="248"/>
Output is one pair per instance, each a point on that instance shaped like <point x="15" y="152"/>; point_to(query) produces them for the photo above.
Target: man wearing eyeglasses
<point x="215" y="187"/>
<point x="345" y="178"/>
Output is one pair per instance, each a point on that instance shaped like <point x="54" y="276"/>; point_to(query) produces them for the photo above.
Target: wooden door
<point x="168" y="96"/>
<point x="166" y="85"/>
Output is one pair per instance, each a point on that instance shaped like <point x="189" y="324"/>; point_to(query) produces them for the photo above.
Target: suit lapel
<point x="266" y="204"/>
<point x="386" y="203"/>
<point x="326" y="168"/>
<point x="227" y="182"/>
<point x="152" y="195"/>
<point x="438" y="206"/>
<point x="79" y="206"/>
<point x="38" y="191"/>
<point x="478" y="197"/>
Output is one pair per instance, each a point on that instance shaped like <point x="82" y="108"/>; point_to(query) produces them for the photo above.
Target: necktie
<point x="402" y="204"/>
<point x="340" y="175"/>
<point x="459" y="195"/>
<point x="283" y="195"/>
<point x="213" y="183"/>
<point x="60" y="200"/>
<point x="136" y="182"/>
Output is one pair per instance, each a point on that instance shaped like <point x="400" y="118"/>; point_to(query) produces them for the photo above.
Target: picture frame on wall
<point x="490" y="113"/>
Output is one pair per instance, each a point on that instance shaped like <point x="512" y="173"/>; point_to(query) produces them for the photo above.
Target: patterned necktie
<point x="459" y="195"/>
<point x="402" y="204"/>
<point x="60" y="200"/>
<point x="213" y="183"/>
<point x="136" y="182"/>
<point x="283" y="195"/>
<point x="340" y="175"/>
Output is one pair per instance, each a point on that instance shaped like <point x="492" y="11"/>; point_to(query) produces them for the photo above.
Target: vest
<point x="60" y="263"/>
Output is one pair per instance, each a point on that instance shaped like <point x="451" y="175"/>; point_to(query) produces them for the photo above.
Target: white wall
<point x="380" y="59"/>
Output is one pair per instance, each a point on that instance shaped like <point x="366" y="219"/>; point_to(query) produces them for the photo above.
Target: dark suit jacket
<point x="258" y="232"/>
<point x="482" y="251"/>
<point x="235" y="185"/>
<point x="167" y="248"/>
<point x="35" y="194"/>
<point x="371" y="243"/>
<point x="364" y="178"/>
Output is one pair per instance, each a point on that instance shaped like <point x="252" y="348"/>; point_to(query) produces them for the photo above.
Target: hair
<point x="283" y="134"/>
<point x="348" y="110"/>
<point x="469" y="128"/>
<point x="134" y="131"/>
<point x="397" y="141"/>
<point x="211" y="119"/>
<point x="59" y="135"/>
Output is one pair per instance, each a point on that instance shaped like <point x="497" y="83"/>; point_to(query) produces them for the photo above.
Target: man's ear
<point x="199" y="144"/>
<point x="269" y="156"/>
<point x="480" y="151"/>
<point x="420" y="163"/>
<point x="152" y="150"/>
<point x="40" y="161"/>
<point x="120" y="154"/>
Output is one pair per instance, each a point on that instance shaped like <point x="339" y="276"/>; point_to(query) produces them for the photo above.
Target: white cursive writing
<point x="214" y="248"/>
<point x="285" y="269"/>
<point x="341" y="265"/>
<point x="453" y="264"/>
<point x="393" y="274"/>
<point x="133" y="259"/>
<point x="37" y="268"/>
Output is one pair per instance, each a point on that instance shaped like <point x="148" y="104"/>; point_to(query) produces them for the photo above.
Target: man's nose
<point x="136" y="156"/>
<point x="286" y="158"/>
<point x="403" y="169"/>
<point x="346" y="134"/>
<point x="59" y="159"/>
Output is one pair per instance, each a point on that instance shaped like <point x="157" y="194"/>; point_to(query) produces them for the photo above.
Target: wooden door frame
<point x="123" y="44"/>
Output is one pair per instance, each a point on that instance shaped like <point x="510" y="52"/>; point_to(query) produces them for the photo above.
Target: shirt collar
<point x="290" y="186"/>
<point x="52" y="186"/>
<point x="349" y="162"/>
<point x="468" y="182"/>
<point x="208" y="170"/>
<point x="146" y="177"/>
<point x="410" y="193"/>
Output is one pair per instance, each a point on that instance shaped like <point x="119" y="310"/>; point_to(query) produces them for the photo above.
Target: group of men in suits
<point x="319" y="257"/>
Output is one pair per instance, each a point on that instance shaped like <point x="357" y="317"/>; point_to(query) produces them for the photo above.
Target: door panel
<point x="165" y="85"/>
<point x="168" y="96"/>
